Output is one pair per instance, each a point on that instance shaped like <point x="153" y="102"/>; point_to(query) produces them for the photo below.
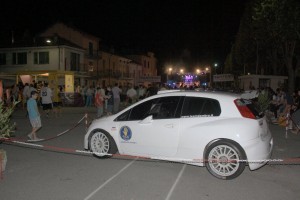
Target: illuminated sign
<point x="223" y="77"/>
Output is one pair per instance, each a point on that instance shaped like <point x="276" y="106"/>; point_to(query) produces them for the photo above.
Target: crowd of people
<point x="21" y="93"/>
<point x="109" y="100"/>
<point x="283" y="106"/>
<point x="31" y="97"/>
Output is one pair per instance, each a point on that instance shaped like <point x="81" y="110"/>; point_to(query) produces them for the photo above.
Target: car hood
<point x="104" y="119"/>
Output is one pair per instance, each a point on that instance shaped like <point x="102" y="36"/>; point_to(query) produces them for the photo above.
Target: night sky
<point x="189" y="30"/>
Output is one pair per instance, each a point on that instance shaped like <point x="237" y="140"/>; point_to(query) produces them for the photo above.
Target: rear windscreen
<point x="252" y="107"/>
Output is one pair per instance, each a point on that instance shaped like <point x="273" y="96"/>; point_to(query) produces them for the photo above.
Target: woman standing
<point x="99" y="102"/>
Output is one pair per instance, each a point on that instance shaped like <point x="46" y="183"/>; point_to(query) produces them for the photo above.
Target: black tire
<point x="102" y="144"/>
<point x="225" y="159"/>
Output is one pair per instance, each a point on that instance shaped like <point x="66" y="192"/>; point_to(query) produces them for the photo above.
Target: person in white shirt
<point x="25" y="94"/>
<point x="131" y="95"/>
<point x="116" y="95"/>
<point x="102" y="91"/>
<point x="46" y="94"/>
<point x="31" y="88"/>
<point x="141" y="92"/>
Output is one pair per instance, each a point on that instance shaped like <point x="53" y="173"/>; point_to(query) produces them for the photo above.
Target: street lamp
<point x="169" y="72"/>
<point x="198" y="80"/>
<point x="207" y="70"/>
<point x="216" y="65"/>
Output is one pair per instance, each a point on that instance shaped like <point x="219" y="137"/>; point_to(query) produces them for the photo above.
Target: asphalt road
<point x="41" y="173"/>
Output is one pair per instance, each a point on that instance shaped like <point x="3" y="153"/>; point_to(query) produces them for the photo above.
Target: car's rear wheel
<point x="101" y="144"/>
<point x="225" y="159"/>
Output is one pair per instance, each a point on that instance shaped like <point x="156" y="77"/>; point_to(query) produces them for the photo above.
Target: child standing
<point x="34" y="115"/>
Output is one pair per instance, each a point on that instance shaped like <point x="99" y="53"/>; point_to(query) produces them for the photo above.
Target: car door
<point x="151" y="128"/>
<point x="198" y="122"/>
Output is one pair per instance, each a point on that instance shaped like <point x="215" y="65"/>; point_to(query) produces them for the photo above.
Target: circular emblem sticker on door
<point x="125" y="133"/>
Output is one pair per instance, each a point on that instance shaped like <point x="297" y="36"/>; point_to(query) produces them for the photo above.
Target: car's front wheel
<point x="225" y="159"/>
<point x="101" y="144"/>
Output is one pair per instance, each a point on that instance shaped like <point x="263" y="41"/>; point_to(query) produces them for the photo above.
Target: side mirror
<point x="147" y="120"/>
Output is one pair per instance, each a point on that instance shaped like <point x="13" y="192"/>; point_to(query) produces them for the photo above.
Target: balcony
<point x="112" y="74"/>
<point x="95" y="55"/>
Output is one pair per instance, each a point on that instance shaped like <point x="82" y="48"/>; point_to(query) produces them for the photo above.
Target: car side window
<point x="138" y="112"/>
<point x="142" y="110"/>
<point x="199" y="106"/>
<point x="165" y="107"/>
<point x="159" y="108"/>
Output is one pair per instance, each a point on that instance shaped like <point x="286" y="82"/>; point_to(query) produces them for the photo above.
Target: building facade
<point x="105" y="68"/>
<point x="89" y="43"/>
<point x="113" y="68"/>
<point x="49" y="54"/>
<point x="248" y="82"/>
<point x="64" y="48"/>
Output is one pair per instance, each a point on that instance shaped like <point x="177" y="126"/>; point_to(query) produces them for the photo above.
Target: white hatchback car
<point x="218" y="130"/>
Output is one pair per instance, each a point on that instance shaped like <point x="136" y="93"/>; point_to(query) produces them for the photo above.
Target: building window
<point x="75" y="62"/>
<point x="41" y="57"/>
<point x="2" y="59"/>
<point x="104" y="67"/>
<point x="91" y="48"/>
<point x="91" y="67"/>
<point x="20" y="58"/>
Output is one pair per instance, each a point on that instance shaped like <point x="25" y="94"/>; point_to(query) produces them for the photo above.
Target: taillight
<point x="244" y="110"/>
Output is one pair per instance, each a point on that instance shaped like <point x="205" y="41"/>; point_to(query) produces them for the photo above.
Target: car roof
<point x="207" y="94"/>
<point x="225" y="99"/>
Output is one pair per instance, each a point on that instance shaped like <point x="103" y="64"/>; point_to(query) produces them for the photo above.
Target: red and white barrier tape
<point x="286" y="161"/>
<point x="49" y="138"/>
<point x="83" y="152"/>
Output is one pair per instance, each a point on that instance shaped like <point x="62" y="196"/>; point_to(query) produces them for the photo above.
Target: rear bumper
<point x="259" y="152"/>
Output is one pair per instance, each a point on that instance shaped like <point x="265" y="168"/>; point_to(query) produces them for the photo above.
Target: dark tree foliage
<point x="244" y="48"/>
<point x="278" y="22"/>
<point x="268" y="38"/>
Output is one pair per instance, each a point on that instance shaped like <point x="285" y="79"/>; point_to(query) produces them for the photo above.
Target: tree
<point x="277" y="22"/>
<point x="244" y="47"/>
<point x="5" y="126"/>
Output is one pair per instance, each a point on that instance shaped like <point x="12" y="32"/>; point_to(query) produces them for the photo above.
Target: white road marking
<point x="175" y="183"/>
<point x="106" y="182"/>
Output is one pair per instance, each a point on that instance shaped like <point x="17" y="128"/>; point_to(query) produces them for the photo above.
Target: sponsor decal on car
<point x="125" y="133"/>
<point x="191" y="116"/>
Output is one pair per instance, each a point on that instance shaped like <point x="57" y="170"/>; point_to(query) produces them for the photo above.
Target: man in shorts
<point x="34" y="116"/>
<point x="46" y="94"/>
